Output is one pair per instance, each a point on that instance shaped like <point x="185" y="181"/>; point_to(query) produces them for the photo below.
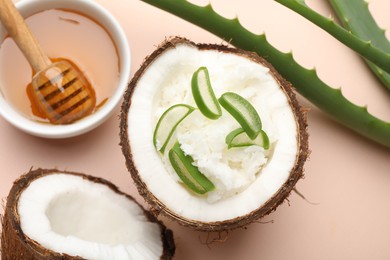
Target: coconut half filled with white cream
<point x="53" y="214"/>
<point x="213" y="136"/>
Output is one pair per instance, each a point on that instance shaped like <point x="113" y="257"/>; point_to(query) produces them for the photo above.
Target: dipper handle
<point x="18" y="30"/>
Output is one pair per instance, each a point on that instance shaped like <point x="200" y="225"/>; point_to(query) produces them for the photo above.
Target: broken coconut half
<point x="53" y="214"/>
<point x="213" y="136"/>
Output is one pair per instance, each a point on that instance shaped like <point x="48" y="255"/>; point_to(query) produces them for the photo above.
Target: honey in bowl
<point x="63" y="35"/>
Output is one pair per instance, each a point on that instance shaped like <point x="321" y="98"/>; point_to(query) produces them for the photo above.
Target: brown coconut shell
<point x="16" y="245"/>
<point x="284" y="191"/>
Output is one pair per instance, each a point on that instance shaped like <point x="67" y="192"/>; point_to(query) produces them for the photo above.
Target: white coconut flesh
<point x="245" y="178"/>
<point x="68" y="214"/>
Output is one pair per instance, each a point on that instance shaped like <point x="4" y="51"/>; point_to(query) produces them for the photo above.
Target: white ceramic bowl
<point x="91" y="9"/>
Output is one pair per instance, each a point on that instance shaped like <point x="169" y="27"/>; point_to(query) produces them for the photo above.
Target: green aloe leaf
<point x="363" y="47"/>
<point x="356" y="17"/>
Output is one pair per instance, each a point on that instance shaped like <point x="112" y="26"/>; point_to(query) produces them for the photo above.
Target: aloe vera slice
<point x="243" y="111"/>
<point x="239" y="138"/>
<point x="204" y="95"/>
<point x="188" y="173"/>
<point x="168" y="122"/>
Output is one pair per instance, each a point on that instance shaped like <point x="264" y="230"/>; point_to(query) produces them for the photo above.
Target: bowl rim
<point x="94" y="11"/>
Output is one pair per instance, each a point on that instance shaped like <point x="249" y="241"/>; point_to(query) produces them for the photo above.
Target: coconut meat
<point x="245" y="178"/>
<point x="68" y="214"/>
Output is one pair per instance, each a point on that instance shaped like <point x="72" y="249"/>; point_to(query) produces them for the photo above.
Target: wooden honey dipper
<point x="59" y="90"/>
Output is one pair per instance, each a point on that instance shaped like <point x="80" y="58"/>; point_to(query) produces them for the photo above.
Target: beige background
<point x="347" y="177"/>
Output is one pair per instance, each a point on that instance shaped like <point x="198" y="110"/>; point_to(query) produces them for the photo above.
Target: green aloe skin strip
<point x="244" y="113"/>
<point x="204" y="95"/>
<point x="306" y="81"/>
<point x="356" y="17"/>
<point x="188" y="173"/>
<point x="239" y="138"/>
<point x="168" y="123"/>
